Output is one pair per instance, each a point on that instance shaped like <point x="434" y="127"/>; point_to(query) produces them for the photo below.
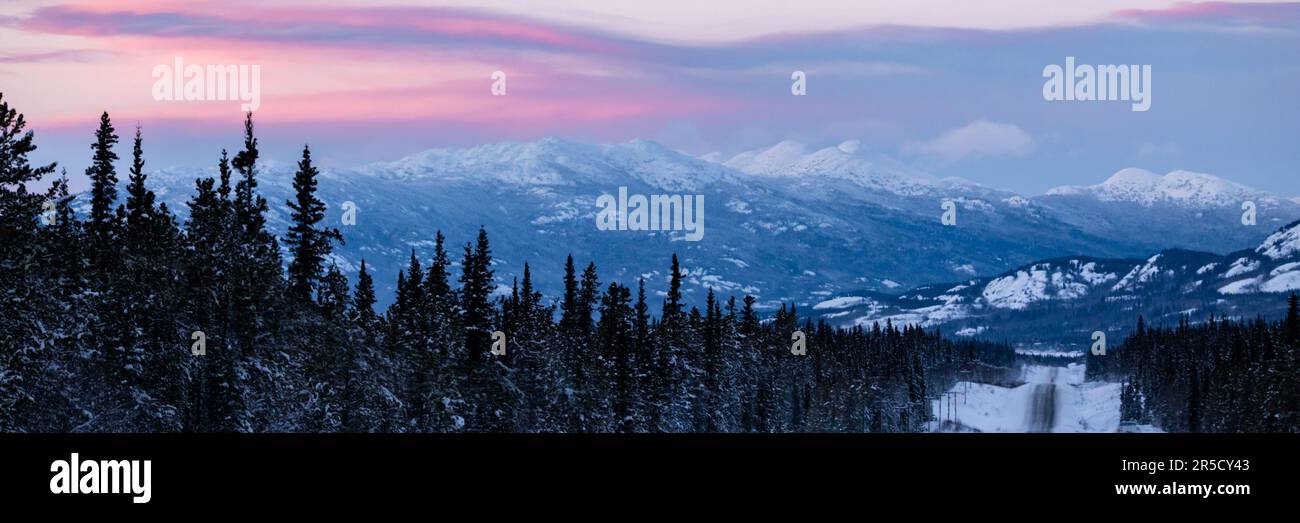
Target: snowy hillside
<point x="1045" y="300"/>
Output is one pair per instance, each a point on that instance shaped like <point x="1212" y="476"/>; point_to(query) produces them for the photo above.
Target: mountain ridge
<point x="783" y="238"/>
<point x="1172" y="284"/>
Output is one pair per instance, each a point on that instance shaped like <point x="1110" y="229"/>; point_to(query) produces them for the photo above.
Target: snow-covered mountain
<point x="786" y="223"/>
<point x="1184" y="188"/>
<point x="1134" y="209"/>
<point x="846" y="165"/>
<point x="1066" y="299"/>
<point x="1178" y="210"/>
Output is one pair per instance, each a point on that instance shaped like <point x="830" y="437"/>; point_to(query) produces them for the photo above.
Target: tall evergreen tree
<point x="615" y="330"/>
<point x="256" y="280"/>
<point x="147" y="291"/>
<point x="207" y="254"/>
<point x="309" y="244"/>
<point x="476" y="318"/>
<point x="102" y="225"/>
<point x="437" y="375"/>
<point x="139" y="200"/>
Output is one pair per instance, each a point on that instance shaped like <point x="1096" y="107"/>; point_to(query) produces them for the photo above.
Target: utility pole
<point x="952" y="407"/>
<point x="965" y="385"/>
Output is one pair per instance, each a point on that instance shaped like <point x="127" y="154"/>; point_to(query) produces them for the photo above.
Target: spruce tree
<point x="643" y="360"/>
<point x="437" y="376"/>
<point x="146" y="291"/>
<point x="476" y="318"/>
<point x="363" y="299"/>
<point x="309" y="244"/>
<point x="256" y="280"/>
<point x="102" y="224"/>
<point x="617" y="378"/>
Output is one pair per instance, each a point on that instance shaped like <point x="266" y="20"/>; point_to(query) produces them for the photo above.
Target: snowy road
<point x="1042" y="406"/>
<point x="1052" y="399"/>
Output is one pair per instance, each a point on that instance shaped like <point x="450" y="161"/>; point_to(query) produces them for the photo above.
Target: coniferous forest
<point x="127" y="320"/>
<point x="1219" y="376"/>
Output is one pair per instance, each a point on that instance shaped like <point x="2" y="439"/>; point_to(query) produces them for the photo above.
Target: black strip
<point x="436" y="472"/>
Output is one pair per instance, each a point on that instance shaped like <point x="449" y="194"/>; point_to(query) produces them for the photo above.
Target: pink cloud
<point x="342" y="27"/>
<point x="1216" y="13"/>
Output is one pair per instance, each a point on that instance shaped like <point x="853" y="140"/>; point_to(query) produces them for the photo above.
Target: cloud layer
<point x="379" y="82"/>
<point x="978" y="138"/>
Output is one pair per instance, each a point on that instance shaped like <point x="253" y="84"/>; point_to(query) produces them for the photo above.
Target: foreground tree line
<point x="1218" y="376"/>
<point x="102" y="317"/>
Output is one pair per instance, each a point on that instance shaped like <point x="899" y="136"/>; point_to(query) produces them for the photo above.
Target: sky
<point x="951" y="87"/>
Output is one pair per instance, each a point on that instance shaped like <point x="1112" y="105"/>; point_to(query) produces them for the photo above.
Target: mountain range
<point x="785" y="224"/>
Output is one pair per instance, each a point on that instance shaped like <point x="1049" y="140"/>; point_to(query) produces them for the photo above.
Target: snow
<point x="554" y="162"/>
<point x="342" y="263"/>
<point x="1017" y="291"/>
<point x="1287" y="281"/>
<point x="1052" y="353"/>
<point x="739" y="207"/>
<point x="987" y="408"/>
<point x="972" y="204"/>
<point x="1088" y="407"/>
<point x="921" y="317"/>
<point x="1081" y="406"/>
<point x="1186" y="188"/>
<point x="769" y="161"/>
<point x="713" y="157"/>
<point x="846" y="161"/>
<point x="1241" y="266"/>
<point x="1016" y="201"/>
<point x="565" y="212"/>
<point x="738" y="262"/>
<point x="1089" y="273"/>
<point x="1245" y="286"/>
<point x="1140" y="274"/>
<point x="843" y="302"/>
<point x="1285" y="267"/>
<point x="964" y="268"/>
<point x="971" y="331"/>
<point x="1036" y="283"/>
<point x="1281" y="244"/>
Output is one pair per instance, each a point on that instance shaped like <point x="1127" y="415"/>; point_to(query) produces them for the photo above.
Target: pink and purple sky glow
<point x="371" y="81"/>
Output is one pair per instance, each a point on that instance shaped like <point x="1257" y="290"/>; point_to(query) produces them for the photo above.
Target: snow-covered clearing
<point x="1080" y="406"/>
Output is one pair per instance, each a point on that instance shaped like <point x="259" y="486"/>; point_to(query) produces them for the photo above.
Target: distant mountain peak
<point x="848" y="162"/>
<point x="1180" y="187"/>
<point x="774" y="160"/>
<point x="1131" y="177"/>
